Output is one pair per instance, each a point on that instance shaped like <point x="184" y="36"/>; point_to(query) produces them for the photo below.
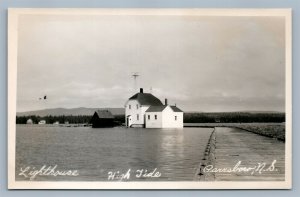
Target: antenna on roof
<point x="135" y="75"/>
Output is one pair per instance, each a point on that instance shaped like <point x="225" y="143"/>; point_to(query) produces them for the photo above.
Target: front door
<point x="128" y="121"/>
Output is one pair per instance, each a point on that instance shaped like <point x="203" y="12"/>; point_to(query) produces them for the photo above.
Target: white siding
<point x="165" y="119"/>
<point x="143" y="110"/>
<point x="154" y="123"/>
<point x="179" y="122"/>
<point x="133" y="111"/>
<point x="168" y="118"/>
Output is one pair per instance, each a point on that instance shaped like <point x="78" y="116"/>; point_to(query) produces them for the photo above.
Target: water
<point x="94" y="152"/>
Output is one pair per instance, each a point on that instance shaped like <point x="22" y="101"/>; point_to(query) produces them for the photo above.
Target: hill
<point x="73" y="111"/>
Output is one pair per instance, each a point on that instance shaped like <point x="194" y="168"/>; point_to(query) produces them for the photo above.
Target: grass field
<point x="273" y="130"/>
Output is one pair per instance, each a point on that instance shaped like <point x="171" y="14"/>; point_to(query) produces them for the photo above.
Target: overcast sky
<point x="200" y="63"/>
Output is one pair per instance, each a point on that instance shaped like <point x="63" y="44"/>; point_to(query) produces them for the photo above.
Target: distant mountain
<point x="72" y="111"/>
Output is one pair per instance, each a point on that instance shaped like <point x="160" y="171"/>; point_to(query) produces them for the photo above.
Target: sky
<point x="201" y="63"/>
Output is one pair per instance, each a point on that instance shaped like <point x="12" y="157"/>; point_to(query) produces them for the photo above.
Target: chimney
<point x="141" y="90"/>
<point x="166" y="101"/>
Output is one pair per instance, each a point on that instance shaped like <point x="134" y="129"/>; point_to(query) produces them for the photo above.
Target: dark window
<point x="137" y="117"/>
<point x="155" y="116"/>
<point x="148" y="117"/>
<point x="137" y="106"/>
<point x="175" y="117"/>
<point x="129" y="106"/>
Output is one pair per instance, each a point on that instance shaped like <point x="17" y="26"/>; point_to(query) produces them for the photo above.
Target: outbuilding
<point x="29" y="121"/>
<point x="102" y="118"/>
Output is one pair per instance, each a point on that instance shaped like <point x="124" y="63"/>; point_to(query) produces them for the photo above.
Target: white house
<point x="164" y="116"/>
<point x="29" y="121"/>
<point x="145" y="110"/>
<point x="42" y="122"/>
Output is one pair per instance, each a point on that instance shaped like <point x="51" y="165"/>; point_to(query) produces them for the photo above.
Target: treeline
<point x="233" y="117"/>
<point x="62" y="119"/>
<point x="226" y="117"/>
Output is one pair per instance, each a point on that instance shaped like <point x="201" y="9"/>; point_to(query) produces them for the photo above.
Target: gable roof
<point x="104" y="114"/>
<point x="146" y="99"/>
<point x="159" y="108"/>
<point x="176" y="109"/>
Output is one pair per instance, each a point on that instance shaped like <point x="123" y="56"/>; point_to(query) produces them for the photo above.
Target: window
<point x="137" y="106"/>
<point x="155" y="116"/>
<point x="148" y="117"/>
<point x="175" y="118"/>
<point x="137" y="117"/>
<point x="129" y="106"/>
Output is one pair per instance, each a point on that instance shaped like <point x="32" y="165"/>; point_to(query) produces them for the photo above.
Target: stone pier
<point x="233" y="154"/>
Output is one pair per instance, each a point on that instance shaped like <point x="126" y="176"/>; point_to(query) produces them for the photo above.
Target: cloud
<point x="200" y="63"/>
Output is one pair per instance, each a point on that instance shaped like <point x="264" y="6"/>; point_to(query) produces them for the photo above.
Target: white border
<point x="13" y="14"/>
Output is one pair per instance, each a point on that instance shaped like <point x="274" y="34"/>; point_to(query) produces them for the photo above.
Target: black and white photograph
<point x="149" y="98"/>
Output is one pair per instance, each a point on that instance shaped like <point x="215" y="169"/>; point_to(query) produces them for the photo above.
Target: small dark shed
<point x="102" y="118"/>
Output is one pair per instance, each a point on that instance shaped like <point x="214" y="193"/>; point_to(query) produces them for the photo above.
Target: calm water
<point x="94" y="152"/>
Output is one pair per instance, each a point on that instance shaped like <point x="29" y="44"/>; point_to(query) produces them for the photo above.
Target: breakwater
<point x="232" y="154"/>
<point x="207" y="159"/>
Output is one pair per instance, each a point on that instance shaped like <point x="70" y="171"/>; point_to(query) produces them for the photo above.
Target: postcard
<point x="149" y="98"/>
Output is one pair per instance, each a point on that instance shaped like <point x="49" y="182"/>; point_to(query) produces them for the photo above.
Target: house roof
<point x="159" y="108"/>
<point x="146" y="99"/>
<point x="176" y="109"/>
<point x="104" y="114"/>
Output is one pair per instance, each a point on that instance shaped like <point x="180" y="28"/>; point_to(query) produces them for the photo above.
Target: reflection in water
<point x="175" y="153"/>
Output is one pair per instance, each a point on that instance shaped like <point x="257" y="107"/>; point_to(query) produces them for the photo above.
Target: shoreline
<point x="208" y="159"/>
<point x="272" y="130"/>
